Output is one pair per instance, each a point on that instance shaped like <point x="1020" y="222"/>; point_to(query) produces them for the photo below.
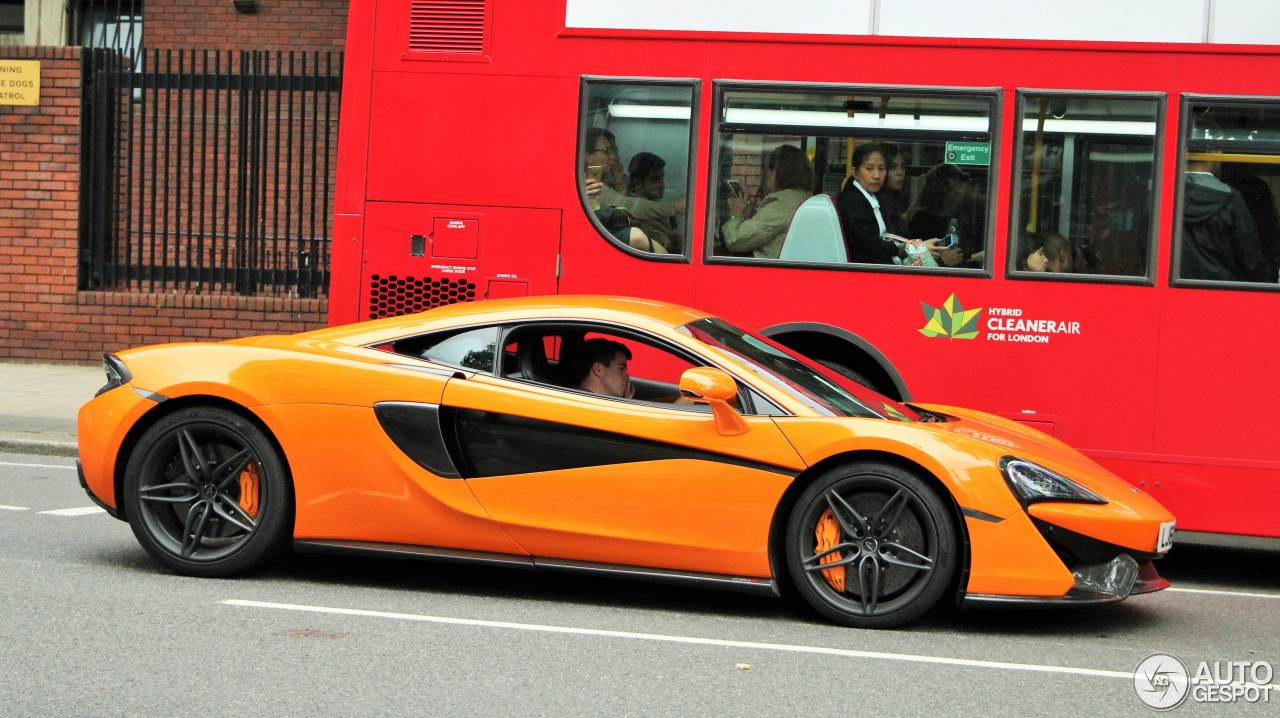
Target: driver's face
<point x="614" y="376"/>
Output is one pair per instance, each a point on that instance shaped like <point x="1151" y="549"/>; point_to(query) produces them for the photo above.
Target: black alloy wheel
<point x="871" y="545"/>
<point x="207" y="493"/>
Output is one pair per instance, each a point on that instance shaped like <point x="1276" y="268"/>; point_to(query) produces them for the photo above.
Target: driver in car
<point x="601" y="368"/>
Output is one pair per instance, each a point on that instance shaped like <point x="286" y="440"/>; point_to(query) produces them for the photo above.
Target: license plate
<point x="1165" y="542"/>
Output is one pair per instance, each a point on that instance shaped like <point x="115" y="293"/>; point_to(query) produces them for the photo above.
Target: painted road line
<point x="83" y="511"/>
<point x="39" y="466"/>
<point x="752" y="645"/>
<point x="1214" y="592"/>
<point x="13" y="508"/>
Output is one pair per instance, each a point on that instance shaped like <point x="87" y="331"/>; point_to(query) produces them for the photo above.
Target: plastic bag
<point x="918" y="255"/>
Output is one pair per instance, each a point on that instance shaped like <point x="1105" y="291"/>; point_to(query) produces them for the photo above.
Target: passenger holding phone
<point x="614" y="219"/>
<point x="789" y="182"/>
<point x="602" y="150"/>
<point x="861" y="215"/>
<point x="933" y="214"/>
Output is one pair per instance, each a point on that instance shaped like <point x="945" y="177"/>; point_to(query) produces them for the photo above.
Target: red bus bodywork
<point x="457" y="181"/>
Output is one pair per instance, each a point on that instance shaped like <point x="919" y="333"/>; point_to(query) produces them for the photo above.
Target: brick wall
<point x="43" y="317"/>
<point x="39" y="205"/>
<point x="278" y="24"/>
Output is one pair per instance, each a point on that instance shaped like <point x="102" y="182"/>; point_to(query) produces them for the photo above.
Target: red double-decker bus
<point x="1108" y="177"/>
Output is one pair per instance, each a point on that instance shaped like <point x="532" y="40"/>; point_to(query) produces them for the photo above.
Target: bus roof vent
<point x="449" y="29"/>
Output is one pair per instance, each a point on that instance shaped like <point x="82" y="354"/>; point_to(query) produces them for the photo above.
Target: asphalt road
<point x="92" y="627"/>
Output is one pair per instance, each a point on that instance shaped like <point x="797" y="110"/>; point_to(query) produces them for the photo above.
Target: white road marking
<point x="1215" y="592"/>
<point x="39" y="466"/>
<point x="12" y="508"/>
<point x="785" y="647"/>
<point x="82" y="511"/>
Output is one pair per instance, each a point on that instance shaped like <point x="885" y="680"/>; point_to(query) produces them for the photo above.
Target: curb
<point x="38" y="447"/>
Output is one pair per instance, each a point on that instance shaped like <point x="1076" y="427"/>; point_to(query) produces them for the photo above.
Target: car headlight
<point x="1032" y="482"/>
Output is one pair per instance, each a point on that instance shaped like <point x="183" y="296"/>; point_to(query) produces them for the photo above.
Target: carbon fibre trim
<point x="979" y="515"/>
<point x="157" y="398"/>
<point x="416" y="430"/>
<point x="492" y="444"/>
<point x="741" y="584"/>
<point x="982" y="599"/>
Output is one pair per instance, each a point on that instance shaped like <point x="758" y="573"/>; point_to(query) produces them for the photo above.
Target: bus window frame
<point x="1015" y="188"/>
<point x="1185" y="101"/>
<point x="719" y="87"/>
<point x="695" y="86"/>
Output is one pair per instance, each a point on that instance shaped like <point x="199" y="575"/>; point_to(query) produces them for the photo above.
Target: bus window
<point x="1229" y="230"/>
<point x="635" y="150"/>
<point x="1085" y="184"/>
<point x="778" y="149"/>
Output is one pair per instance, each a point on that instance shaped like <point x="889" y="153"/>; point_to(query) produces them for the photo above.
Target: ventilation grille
<point x="391" y="296"/>
<point x="447" y="26"/>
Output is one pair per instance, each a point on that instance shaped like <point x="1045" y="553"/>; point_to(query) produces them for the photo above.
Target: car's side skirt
<point x="742" y="584"/>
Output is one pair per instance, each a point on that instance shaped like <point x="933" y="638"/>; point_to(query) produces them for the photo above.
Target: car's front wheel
<point x="208" y="494"/>
<point x="871" y="545"/>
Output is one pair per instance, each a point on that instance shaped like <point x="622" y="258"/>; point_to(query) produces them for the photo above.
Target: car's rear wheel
<point x="871" y="545"/>
<point x="208" y="494"/>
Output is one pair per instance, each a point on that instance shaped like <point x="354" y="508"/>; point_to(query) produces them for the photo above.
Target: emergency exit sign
<point x="19" y="82"/>
<point x="968" y="153"/>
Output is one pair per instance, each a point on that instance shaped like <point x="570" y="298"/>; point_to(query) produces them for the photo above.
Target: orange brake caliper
<point x="249" y="490"/>
<point x="828" y="535"/>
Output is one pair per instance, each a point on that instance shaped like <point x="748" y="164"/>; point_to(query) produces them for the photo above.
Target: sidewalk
<point x="38" y="405"/>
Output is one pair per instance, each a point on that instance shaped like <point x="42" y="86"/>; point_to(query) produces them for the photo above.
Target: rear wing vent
<point x="449" y="30"/>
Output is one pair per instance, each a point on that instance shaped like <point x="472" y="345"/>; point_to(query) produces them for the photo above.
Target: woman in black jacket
<point x="860" y="215"/>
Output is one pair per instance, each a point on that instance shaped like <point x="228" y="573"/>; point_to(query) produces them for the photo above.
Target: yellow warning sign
<point x="19" y="82"/>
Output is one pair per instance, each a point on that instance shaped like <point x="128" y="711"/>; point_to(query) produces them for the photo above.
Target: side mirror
<point x="712" y="386"/>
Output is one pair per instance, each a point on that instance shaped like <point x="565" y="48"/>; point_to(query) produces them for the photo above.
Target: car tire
<point x="208" y="494"/>
<point x="871" y="545"/>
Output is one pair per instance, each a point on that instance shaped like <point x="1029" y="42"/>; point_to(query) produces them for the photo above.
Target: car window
<point x="820" y="389"/>
<point x="470" y="348"/>
<point x="557" y="355"/>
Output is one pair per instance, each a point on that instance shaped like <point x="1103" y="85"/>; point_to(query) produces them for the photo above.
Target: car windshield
<point x="817" y="387"/>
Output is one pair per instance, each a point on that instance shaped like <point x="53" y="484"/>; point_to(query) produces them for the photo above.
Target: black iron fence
<point x="208" y="171"/>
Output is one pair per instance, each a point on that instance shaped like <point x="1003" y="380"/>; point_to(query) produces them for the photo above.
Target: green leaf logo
<point x="894" y="413"/>
<point x="951" y="320"/>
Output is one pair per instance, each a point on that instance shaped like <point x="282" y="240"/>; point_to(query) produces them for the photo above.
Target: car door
<point x="579" y="476"/>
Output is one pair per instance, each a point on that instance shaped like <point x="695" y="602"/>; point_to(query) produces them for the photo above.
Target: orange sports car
<point x="603" y="434"/>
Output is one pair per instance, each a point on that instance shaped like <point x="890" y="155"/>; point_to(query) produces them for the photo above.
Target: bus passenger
<point x="860" y="212"/>
<point x="1219" y="238"/>
<point x="789" y="182"/>
<point x="1054" y="255"/>
<point x="602" y="151"/>
<point x="930" y="215"/>
<point x="647" y="179"/>
<point x="893" y="196"/>
<point x="615" y="221"/>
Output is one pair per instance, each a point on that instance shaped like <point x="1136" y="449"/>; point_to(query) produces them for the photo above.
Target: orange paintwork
<point x="1010" y="558"/>
<point x="351" y="482"/>
<point x="101" y="427"/>
<point x="684" y="514"/>
<point x="1129" y="521"/>
<point x="314" y="392"/>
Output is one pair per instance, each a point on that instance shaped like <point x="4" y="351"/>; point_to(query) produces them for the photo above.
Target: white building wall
<point x="1181" y="21"/>
<point x="845" y="17"/>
